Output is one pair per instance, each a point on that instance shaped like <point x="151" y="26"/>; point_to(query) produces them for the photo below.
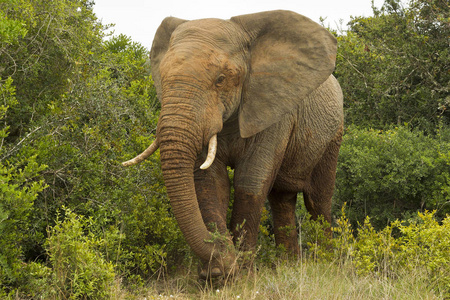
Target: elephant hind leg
<point x="283" y="214"/>
<point x="320" y="191"/>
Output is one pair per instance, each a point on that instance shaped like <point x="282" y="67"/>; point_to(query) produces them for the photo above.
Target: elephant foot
<point x="207" y="271"/>
<point x="206" y="274"/>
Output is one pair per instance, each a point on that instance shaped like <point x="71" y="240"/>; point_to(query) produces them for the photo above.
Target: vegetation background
<point x="74" y="224"/>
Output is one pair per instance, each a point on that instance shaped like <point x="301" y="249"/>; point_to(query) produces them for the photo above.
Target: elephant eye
<point x="220" y="80"/>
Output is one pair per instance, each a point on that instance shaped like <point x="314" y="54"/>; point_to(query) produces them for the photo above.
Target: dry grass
<point x="291" y="280"/>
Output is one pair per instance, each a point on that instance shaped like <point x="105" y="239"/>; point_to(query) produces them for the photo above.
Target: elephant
<point x="254" y="93"/>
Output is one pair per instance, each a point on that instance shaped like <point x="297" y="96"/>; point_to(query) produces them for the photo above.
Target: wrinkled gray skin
<point x="261" y="82"/>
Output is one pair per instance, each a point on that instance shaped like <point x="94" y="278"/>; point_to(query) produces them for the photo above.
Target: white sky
<point x="139" y="19"/>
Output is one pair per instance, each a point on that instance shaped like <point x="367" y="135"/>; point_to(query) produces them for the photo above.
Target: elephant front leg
<point x="254" y="176"/>
<point x="213" y="193"/>
<point x="245" y="218"/>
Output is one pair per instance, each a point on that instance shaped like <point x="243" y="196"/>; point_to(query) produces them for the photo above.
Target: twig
<point x="364" y="77"/>
<point x="18" y="144"/>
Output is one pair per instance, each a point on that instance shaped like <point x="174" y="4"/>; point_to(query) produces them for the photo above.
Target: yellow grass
<point x="290" y="280"/>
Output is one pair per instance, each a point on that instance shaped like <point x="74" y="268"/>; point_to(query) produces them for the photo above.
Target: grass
<point x="411" y="263"/>
<point x="373" y="265"/>
<point x="300" y="279"/>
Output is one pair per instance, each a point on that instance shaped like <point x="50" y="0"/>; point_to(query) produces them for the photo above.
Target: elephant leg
<point x="212" y="187"/>
<point x="254" y="175"/>
<point x="251" y="187"/>
<point x="245" y="218"/>
<point x="213" y="193"/>
<point x="283" y="213"/>
<point x="318" y="195"/>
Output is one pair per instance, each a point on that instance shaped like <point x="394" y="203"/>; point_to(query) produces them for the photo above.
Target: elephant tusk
<point x="147" y="152"/>
<point x="212" y="149"/>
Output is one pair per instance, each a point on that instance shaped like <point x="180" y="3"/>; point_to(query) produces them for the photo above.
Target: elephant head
<point x="253" y="68"/>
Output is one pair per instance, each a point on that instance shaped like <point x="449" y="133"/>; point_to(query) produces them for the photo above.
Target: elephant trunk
<point x="179" y="148"/>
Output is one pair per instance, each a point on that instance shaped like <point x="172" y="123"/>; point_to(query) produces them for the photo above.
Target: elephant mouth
<point x="212" y="150"/>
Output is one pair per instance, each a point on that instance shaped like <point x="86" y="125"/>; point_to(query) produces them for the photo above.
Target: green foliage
<point x="10" y="30"/>
<point x="428" y="242"/>
<point x="417" y="246"/>
<point x="391" y="174"/>
<point x="79" y="270"/>
<point x="83" y="105"/>
<point x="421" y="243"/>
<point x="108" y="115"/>
<point x="45" y="44"/>
<point x="268" y="251"/>
<point x="393" y="67"/>
<point x="373" y="251"/>
<point x="20" y="183"/>
<point x="315" y="237"/>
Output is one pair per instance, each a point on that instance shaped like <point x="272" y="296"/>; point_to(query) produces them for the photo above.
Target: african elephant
<point x="254" y="93"/>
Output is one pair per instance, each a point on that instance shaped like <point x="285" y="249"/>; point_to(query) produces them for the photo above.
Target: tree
<point x="73" y="107"/>
<point x="44" y="49"/>
<point x="393" y="67"/>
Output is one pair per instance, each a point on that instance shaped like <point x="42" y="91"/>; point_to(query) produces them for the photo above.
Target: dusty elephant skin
<point x="260" y="87"/>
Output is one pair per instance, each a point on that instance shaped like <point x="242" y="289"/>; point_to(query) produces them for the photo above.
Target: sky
<point x="139" y="19"/>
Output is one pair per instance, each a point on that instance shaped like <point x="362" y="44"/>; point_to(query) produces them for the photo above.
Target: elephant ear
<point x="160" y="46"/>
<point x="290" y="56"/>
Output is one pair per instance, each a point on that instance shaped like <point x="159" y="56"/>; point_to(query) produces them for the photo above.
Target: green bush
<point x="110" y="116"/>
<point x="418" y="245"/>
<point x="393" y="66"/>
<point x="428" y="242"/>
<point x="44" y="64"/>
<point x="83" y="106"/>
<point x="79" y="270"/>
<point x="20" y="184"/>
<point x="402" y="248"/>
<point x="391" y="174"/>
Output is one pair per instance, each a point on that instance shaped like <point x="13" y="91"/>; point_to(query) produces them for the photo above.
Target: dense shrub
<point x="20" y="184"/>
<point x="83" y="105"/>
<point x="400" y="248"/>
<point x="393" y="66"/>
<point x="79" y="270"/>
<point x="416" y="245"/>
<point x="109" y="116"/>
<point x="391" y="174"/>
